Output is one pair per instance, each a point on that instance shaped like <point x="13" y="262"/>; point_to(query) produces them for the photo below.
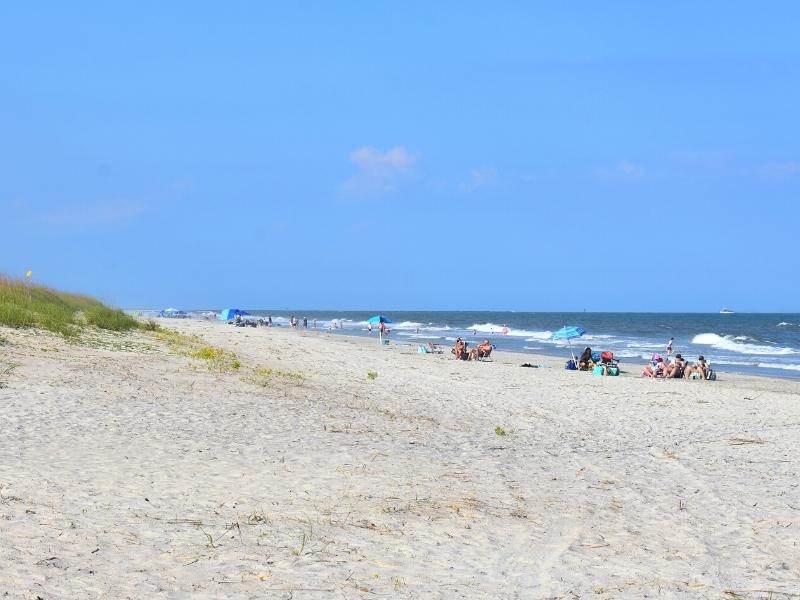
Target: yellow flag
<point x="28" y="273"/>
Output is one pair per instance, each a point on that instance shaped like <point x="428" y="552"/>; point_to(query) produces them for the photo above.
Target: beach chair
<point x="609" y="364"/>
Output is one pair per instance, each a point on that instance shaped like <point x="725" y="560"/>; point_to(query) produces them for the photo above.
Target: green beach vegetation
<point x="215" y="359"/>
<point x="24" y="304"/>
<point x="266" y="376"/>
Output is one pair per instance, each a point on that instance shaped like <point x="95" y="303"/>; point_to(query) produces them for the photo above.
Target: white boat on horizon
<point x="726" y="311"/>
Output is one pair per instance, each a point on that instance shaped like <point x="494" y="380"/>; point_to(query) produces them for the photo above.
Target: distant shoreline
<point x="765" y="344"/>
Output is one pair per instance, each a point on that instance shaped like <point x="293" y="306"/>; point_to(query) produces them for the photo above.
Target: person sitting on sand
<point x="676" y="368"/>
<point x="655" y="368"/>
<point x="484" y="349"/>
<point x="585" y="361"/>
<point x="460" y="349"/>
<point x="700" y="367"/>
<point x="434" y="348"/>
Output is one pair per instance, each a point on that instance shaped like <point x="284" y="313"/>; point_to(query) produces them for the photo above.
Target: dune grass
<point x="216" y="359"/>
<point x="28" y="305"/>
<point x="265" y="377"/>
<point x="213" y="358"/>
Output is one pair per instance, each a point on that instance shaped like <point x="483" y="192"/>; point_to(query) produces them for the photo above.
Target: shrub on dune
<point x="24" y="304"/>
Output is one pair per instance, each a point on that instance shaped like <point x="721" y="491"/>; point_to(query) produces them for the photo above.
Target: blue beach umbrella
<point x="379" y="319"/>
<point x="568" y="332"/>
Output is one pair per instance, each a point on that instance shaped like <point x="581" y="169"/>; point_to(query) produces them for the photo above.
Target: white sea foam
<point x="510" y="331"/>
<point x="406" y="325"/>
<point x="779" y="366"/>
<point x="539" y="336"/>
<point x="645" y="345"/>
<point x="421" y="336"/>
<point x="487" y="328"/>
<point x="737" y="363"/>
<point x="730" y="344"/>
<point x="629" y="354"/>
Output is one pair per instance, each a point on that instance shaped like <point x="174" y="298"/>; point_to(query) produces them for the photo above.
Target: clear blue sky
<point x="608" y="156"/>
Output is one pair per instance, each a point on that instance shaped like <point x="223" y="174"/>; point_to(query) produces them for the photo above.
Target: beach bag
<point x="613" y="371"/>
<point x="596" y="357"/>
<point x="607" y="356"/>
<point x="711" y="375"/>
<point x="598" y="370"/>
<point x="571" y="366"/>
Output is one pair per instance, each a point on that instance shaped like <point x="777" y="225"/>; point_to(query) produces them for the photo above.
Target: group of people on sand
<point x="659" y="367"/>
<point x="603" y="362"/>
<point x="662" y="368"/>
<point x="479" y="352"/>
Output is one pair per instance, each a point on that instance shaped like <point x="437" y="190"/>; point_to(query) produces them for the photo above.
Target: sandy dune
<point x="129" y="471"/>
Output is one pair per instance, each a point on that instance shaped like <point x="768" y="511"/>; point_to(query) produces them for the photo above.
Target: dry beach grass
<point x="139" y="466"/>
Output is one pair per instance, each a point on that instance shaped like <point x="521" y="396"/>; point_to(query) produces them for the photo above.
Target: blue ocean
<point x="756" y="343"/>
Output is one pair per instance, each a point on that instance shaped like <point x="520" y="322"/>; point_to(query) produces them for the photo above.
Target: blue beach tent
<point x="228" y="314"/>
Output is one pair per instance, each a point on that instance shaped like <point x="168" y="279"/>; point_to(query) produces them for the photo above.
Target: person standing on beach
<point x="305" y="322"/>
<point x="669" y="346"/>
<point x="369" y="328"/>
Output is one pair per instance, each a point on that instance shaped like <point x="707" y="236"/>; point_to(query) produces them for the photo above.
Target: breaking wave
<point x="779" y="366"/>
<point x="738" y="344"/>
<point x="505" y="330"/>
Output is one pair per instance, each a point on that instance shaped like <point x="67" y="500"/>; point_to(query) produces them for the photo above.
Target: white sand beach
<point x="130" y="471"/>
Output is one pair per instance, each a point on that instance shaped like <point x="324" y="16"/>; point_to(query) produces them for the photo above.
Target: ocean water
<point x="756" y="343"/>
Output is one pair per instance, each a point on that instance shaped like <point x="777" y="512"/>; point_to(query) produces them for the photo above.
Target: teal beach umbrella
<point x="568" y="332"/>
<point x="379" y="319"/>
